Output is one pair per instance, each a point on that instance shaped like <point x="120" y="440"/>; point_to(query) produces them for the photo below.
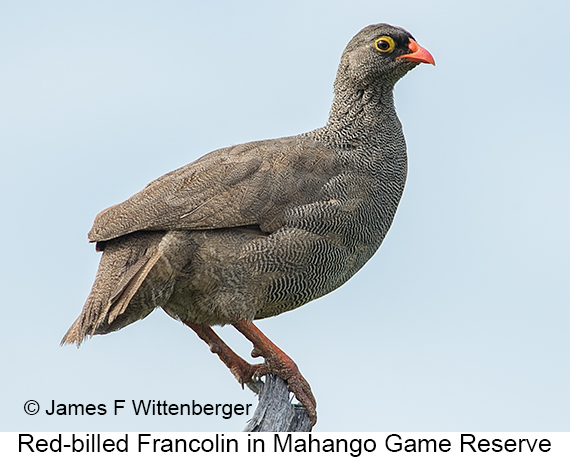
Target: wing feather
<point x="249" y="184"/>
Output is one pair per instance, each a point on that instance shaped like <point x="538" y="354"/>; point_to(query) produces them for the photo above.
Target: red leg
<point x="242" y="370"/>
<point x="281" y="364"/>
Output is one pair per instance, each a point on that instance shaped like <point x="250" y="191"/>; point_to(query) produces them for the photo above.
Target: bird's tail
<point x="125" y="264"/>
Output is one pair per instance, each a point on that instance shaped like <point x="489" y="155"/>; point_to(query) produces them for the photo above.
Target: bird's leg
<point x="281" y="364"/>
<point x="242" y="370"/>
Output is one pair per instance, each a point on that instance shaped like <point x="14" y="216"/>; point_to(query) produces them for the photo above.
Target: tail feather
<point x="125" y="264"/>
<point x="122" y="296"/>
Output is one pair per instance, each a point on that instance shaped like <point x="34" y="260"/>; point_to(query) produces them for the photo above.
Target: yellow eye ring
<point x="385" y="44"/>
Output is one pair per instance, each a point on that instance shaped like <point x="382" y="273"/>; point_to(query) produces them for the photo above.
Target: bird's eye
<point x="385" y="44"/>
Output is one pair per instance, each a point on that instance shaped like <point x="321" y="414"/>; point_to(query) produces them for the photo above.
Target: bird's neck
<point x="360" y="115"/>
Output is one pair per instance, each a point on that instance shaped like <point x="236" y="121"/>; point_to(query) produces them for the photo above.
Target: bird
<point x="253" y="230"/>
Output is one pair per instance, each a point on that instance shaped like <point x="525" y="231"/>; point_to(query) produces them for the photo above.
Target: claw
<point x="245" y="372"/>
<point x="299" y="386"/>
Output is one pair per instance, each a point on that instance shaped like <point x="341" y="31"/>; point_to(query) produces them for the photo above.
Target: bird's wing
<point x="248" y="184"/>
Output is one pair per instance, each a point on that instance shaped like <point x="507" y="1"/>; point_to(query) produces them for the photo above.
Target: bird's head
<point x="381" y="54"/>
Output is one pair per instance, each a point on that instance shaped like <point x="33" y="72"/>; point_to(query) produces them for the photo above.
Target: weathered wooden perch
<point x="275" y="412"/>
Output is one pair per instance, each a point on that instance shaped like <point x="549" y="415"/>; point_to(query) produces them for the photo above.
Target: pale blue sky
<point x="461" y="320"/>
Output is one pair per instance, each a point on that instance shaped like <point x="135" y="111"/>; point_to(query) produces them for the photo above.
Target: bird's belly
<point x="229" y="274"/>
<point x="307" y="266"/>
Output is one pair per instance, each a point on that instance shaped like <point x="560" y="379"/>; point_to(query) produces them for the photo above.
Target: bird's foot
<point x="279" y="363"/>
<point x="245" y="372"/>
<point x="276" y="361"/>
<point x="284" y="367"/>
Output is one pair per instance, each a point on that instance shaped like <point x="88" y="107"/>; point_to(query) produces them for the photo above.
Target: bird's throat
<point x="355" y="114"/>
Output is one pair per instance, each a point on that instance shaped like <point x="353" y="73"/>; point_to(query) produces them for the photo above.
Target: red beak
<point x="418" y="54"/>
